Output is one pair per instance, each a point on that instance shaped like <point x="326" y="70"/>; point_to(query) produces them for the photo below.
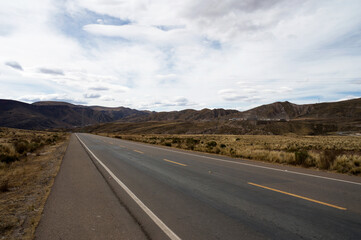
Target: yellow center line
<point x="297" y="196"/>
<point x="138" y="151"/>
<point x="175" y="162"/>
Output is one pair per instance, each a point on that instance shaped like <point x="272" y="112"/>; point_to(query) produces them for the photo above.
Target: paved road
<point x="181" y="194"/>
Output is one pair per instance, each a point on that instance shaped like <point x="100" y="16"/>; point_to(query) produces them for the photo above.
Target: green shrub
<point x="52" y="139"/>
<point x="36" y="140"/>
<point x="342" y="164"/>
<point x="175" y="140"/>
<point x="192" y="141"/>
<point x="357" y="163"/>
<point x="232" y="152"/>
<point x="327" y="158"/>
<point x="356" y="171"/>
<point x="21" y="146"/>
<point x="211" y="144"/>
<point x="301" y="157"/>
<point x="4" y="149"/>
<point x="33" y="146"/>
<point x="8" y="158"/>
<point x="4" y="185"/>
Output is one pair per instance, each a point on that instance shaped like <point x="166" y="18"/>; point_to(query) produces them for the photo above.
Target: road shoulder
<point x="81" y="205"/>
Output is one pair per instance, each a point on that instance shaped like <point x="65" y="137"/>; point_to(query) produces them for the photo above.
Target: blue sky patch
<point x="72" y="25"/>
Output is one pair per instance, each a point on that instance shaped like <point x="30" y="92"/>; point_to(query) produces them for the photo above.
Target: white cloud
<point x="143" y="34"/>
<point x="348" y="97"/>
<point x="14" y="65"/>
<point x="231" y="95"/>
<point x="222" y="20"/>
<point x="92" y="95"/>
<point x="99" y="88"/>
<point x="50" y="97"/>
<point x="140" y="53"/>
<point x="226" y="91"/>
<point x="166" y="76"/>
<point x="253" y="94"/>
<point x="51" y="71"/>
<point x="176" y="103"/>
<point x="181" y="101"/>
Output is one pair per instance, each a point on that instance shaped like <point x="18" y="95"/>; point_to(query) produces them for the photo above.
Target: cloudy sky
<point x="171" y="55"/>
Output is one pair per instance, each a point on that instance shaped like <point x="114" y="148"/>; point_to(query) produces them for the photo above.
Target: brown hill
<point x="273" y="111"/>
<point x="184" y="115"/>
<point x="343" y="109"/>
<point x="45" y="115"/>
<point x="277" y="110"/>
<point x="249" y="127"/>
<point x="342" y="117"/>
<point x="286" y="110"/>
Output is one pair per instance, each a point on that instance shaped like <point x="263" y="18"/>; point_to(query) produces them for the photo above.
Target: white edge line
<point x="157" y="221"/>
<point x="248" y="164"/>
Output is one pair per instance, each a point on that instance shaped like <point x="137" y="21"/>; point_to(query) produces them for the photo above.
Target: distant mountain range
<point x="49" y="115"/>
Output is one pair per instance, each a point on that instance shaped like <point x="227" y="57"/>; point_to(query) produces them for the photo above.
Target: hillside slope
<point x="286" y="110"/>
<point x="46" y="115"/>
<point x="273" y="111"/>
<point x="184" y="115"/>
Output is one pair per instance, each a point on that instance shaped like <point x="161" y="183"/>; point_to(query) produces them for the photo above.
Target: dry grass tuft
<point x="347" y="163"/>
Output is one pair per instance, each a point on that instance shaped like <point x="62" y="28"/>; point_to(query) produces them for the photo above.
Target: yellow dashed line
<point x="297" y="196"/>
<point x="175" y="162"/>
<point x="138" y="151"/>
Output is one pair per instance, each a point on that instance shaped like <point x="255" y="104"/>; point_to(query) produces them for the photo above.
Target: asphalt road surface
<point x="176" y="194"/>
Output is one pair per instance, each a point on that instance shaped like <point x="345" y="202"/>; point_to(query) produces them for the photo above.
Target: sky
<point x="165" y="55"/>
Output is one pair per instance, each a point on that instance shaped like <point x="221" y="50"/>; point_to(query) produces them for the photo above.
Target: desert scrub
<point x="16" y="144"/>
<point x="347" y="163"/>
<point x="322" y="152"/>
<point x="26" y="178"/>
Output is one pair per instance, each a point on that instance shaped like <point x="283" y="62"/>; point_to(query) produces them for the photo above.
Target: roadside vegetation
<point x="29" y="161"/>
<point x="334" y="153"/>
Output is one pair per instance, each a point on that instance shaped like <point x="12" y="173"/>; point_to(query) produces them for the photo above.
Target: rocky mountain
<point x="277" y="110"/>
<point x="286" y="110"/>
<point x="46" y="115"/>
<point x="184" y="115"/>
<point x="273" y="111"/>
